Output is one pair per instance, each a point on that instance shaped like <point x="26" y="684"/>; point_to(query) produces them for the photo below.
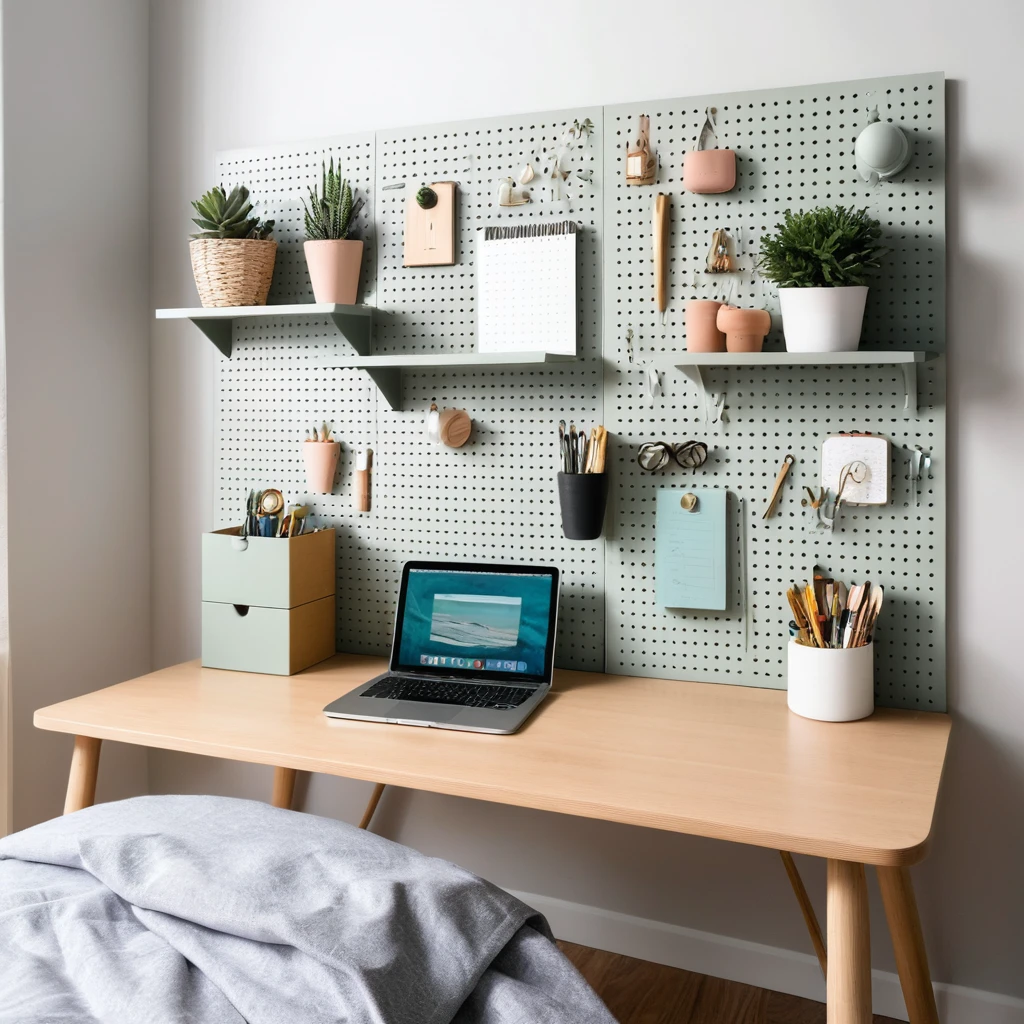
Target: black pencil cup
<point x="582" y="497"/>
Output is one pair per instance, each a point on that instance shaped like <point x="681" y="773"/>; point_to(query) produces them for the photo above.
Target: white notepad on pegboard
<point x="526" y="288"/>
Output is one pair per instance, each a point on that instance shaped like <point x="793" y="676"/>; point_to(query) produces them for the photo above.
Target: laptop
<point x="473" y="649"/>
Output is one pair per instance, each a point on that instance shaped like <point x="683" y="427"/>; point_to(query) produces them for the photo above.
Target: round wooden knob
<point x="455" y="427"/>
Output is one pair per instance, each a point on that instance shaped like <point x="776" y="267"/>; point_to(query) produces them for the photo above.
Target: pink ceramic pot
<point x="702" y="333"/>
<point x="321" y="458"/>
<point x="745" y="329"/>
<point x="709" y="170"/>
<point x="334" y="269"/>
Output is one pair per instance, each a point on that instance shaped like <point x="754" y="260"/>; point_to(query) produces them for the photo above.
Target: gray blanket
<point x="209" y="909"/>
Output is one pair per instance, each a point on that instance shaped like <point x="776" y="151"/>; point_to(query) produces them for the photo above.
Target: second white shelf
<point x="386" y="370"/>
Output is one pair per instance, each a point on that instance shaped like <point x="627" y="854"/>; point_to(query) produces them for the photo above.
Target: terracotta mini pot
<point x="334" y="267"/>
<point x="709" y="170"/>
<point x="321" y="458"/>
<point x="745" y="329"/>
<point x="702" y="333"/>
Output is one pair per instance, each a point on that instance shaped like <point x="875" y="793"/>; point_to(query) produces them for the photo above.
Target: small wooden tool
<point x="661" y="252"/>
<point x="361" y="488"/>
<point x="777" y="489"/>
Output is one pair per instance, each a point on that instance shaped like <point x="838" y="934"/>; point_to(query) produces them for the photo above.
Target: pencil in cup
<point x="844" y="622"/>
<point x="581" y="453"/>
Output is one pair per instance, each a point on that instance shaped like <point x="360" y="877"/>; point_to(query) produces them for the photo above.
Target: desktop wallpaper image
<point x="476" y="615"/>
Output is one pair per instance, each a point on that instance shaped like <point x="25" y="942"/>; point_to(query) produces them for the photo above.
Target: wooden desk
<point x="726" y="762"/>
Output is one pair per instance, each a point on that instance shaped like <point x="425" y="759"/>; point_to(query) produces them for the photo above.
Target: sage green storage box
<point x="268" y="603"/>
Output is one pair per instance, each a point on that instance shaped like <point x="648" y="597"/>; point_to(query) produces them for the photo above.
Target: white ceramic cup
<point x="831" y="685"/>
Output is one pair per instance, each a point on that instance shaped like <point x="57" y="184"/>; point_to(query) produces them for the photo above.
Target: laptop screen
<point x="481" y="621"/>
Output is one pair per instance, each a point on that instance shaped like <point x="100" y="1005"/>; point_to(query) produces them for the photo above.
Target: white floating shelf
<point x="216" y="322"/>
<point x="862" y="357"/>
<point x="386" y="370"/>
<point x="908" y="360"/>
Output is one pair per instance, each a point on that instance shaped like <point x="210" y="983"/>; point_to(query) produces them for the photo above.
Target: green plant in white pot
<point x="333" y="258"/>
<point x="820" y="261"/>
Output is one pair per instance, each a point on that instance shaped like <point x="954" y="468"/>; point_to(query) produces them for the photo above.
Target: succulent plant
<point x="829" y="247"/>
<point x="331" y="212"/>
<point x="426" y="197"/>
<point x="227" y="216"/>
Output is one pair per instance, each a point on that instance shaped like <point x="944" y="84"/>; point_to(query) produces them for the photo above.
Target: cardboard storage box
<point x="268" y="603"/>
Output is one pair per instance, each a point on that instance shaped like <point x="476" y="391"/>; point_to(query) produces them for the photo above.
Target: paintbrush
<point x="812" y="613"/>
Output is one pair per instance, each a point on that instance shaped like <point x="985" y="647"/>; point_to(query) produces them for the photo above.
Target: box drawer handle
<point x="242" y="609"/>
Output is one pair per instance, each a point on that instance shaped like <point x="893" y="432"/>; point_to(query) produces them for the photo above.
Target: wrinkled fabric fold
<point x="211" y="909"/>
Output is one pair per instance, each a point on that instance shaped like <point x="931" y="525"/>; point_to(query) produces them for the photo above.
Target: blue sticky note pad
<point x="689" y="550"/>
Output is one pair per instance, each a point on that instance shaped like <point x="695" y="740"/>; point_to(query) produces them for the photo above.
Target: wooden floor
<point x="638" y="992"/>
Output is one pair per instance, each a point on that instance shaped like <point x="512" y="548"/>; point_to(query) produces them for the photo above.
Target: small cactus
<point x="426" y="197"/>
<point x="331" y="211"/>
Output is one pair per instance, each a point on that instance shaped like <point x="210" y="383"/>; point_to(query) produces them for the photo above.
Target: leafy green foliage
<point x="330" y="212"/>
<point x="227" y="216"/>
<point x="829" y="247"/>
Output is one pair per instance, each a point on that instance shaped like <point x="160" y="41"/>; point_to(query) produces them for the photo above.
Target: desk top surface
<point x="727" y="762"/>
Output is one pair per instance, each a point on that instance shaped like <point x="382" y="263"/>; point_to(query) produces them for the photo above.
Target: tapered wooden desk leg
<point x="284" y="788"/>
<point x="372" y="805"/>
<point x="848" y="983"/>
<point x="908" y="943"/>
<point x="85" y="763"/>
<point x="807" y="909"/>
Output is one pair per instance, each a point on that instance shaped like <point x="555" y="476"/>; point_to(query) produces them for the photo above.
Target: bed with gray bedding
<point x="210" y="910"/>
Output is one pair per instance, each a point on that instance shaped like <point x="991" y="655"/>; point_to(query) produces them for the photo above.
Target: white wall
<point x="483" y="59"/>
<point x="6" y="746"/>
<point x="76" y="258"/>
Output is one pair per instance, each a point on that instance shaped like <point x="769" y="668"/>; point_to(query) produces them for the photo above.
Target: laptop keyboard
<point x="438" y="691"/>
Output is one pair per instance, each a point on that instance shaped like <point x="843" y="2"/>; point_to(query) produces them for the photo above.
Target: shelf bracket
<point x="696" y="376"/>
<point x="218" y="331"/>
<point x="909" y="390"/>
<point x="389" y="382"/>
<point x="356" y="328"/>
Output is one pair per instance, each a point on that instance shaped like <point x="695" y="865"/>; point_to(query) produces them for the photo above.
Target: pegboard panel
<point x="493" y="500"/>
<point x="272" y="389"/>
<point x="794" y="150"/>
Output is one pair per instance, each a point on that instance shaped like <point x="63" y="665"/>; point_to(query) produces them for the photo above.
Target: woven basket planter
<point x="233" y="271"/>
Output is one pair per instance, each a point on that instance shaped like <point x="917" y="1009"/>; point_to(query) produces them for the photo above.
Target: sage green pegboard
<point x="491" y="501"/>
<point x="794" y="150"/>
<point x="495" y="500"/>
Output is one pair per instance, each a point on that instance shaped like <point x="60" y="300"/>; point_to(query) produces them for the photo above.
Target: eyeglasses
<point x="655" y="455"/>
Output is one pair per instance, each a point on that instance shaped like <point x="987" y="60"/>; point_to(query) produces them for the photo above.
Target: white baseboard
<point x="782" y="970"/>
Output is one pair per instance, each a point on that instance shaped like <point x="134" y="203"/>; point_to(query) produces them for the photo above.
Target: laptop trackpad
<point x="420" y="711"/>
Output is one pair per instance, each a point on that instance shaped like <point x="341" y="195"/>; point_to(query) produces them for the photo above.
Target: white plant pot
<point x="831" y="685"/>
<point x="823" y="319"/>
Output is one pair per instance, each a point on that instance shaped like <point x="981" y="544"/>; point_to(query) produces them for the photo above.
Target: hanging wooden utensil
<point x="661" y="252"/>
<point x="777" y="489"/>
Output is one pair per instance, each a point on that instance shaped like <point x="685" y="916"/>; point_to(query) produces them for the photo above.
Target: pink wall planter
<point x="321" y="458"/>
<point x="334" y="267"/>
<point x="702" y="333"/>
<point x="709" y="171"/>
<point x="745" y="329"/>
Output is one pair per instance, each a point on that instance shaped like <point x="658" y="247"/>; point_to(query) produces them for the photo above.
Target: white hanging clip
<point x="653" y="376"/>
